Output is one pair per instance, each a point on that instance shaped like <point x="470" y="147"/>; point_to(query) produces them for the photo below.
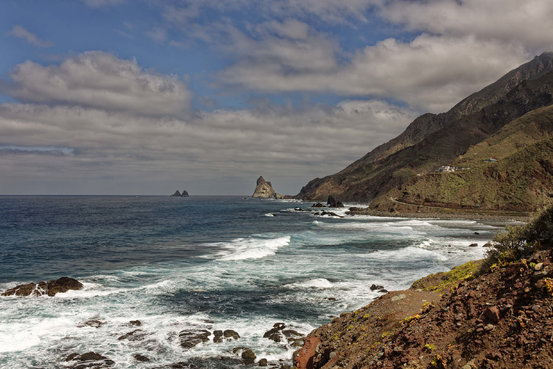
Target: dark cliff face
<point x="434" y="139"/>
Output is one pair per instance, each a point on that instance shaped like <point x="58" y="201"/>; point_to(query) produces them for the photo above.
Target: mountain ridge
<point x="440" y="138"/>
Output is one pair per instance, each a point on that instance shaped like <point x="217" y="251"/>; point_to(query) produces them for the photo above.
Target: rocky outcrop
<point x="264" y="190"/>
<point x="89" y="360"/>
<point x="177" y="193"/>
<point x="49" y="288"/>
<point x="501" y="318"/>
<point x="333" y="203"/>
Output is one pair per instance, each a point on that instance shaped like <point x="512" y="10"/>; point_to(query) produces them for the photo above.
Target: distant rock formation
<point x="179" y="194"/>
<point x="264" y="190"/>
<point x="49" y="288"/>
<point x="333" y="203"/>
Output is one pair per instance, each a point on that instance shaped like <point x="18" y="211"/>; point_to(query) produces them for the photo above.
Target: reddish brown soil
<point x="501" y="319"/>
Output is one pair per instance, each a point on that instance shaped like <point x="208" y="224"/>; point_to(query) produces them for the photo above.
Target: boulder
<point x="245" y="353"/>
<point x="190" y="338"/>
<point x="89" y="360"/>
<point x="333" y="203"/>
<point x="49" y="288"/>
<point x="262" y="362"/>
<point x="230" y="334"/>
<point x="264" y="190"/>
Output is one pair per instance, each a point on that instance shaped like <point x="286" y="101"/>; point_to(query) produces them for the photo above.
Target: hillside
<point x="495" y="314"/>
<point x="511" y="170"/>
<point x="434" y="140"/>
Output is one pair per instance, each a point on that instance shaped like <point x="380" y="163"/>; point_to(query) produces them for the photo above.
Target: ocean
<point x="200" y="263"/>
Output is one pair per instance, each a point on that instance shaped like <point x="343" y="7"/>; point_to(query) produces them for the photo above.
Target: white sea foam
<point x="269" y="215"/>
<point x="311" y="283"/>
<point x="251" y="247"/>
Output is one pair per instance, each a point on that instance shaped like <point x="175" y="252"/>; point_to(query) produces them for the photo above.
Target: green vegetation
<point x="520" y="242"/>
<point x="441" y="282"/>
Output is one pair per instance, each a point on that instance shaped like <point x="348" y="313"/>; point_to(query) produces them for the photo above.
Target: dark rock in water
<point x="383" y="290"/>
<point x="290" y="333"/>
<point x="473" y="245"/>
<point x="218" y="336"/>
<point x="177" y="193"/>
<point x="274" y="337"/>
<point x="91" y="323"/>
<point x="190" y="338"/>
<point x="248" y="356"/>
<point x="262" y="362"/>
<point x="318" y="205"/>
<point x="230" y="334"/>
<point x="141" y="358"/>
<point x="375" y="287"/>
<point x="136" y="335"/>
<point x="135" y="323"/>
<point x="328" y="213"/>
<point x="49" y="288"/>
<point x="333" y="203"/>
<point x="89" y="360"/>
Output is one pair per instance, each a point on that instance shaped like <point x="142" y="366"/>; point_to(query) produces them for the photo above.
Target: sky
<point x="148" y="96"/>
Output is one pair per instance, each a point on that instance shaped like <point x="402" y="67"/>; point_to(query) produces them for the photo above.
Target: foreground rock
<point x="499" y="319"/>
<point x="348" y="338"/>
<point x="264" y="190"/>
<point x="49" y="288"/>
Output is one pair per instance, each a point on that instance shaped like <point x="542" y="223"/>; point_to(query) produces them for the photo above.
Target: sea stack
<point x="264" y="190"/>
<point x="179" y="194"/>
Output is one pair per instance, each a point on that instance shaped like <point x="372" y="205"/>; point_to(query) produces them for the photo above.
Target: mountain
<point x="434" y="140"/>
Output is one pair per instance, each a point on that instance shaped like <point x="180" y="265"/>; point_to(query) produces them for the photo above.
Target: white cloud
<point x="508" y="21"/>
<point x="282" y="142"/>
<point x="21" y="32"/>
<point x="431" y="72"/>
<point x="100" y="80"/>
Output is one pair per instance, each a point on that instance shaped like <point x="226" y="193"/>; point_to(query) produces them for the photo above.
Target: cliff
<point x="436" y="140"/>
<point x="264" y="190"/>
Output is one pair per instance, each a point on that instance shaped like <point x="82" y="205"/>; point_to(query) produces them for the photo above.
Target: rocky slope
<point x="498" y="314"/>
<point x="264" y="190"/>
<point x="512" y="170"/>
<point x="435" y="140"/>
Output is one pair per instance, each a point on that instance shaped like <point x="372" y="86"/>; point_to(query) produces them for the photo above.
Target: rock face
<point x="49" y="288"/>
<point x="264" y="190"/>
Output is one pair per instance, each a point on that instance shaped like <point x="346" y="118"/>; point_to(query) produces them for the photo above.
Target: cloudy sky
<point x="147" y="96"/>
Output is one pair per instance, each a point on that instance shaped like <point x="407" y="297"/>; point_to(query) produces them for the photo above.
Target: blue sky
<point x="146" y="96"/>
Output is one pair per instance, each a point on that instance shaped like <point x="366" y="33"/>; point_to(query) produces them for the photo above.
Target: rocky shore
<point x="495" y="313"/>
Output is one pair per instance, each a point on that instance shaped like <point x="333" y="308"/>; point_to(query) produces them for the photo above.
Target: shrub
<point x="521" y="241"/>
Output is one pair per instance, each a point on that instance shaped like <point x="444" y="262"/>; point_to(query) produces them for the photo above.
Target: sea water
<point x="200" y="263"/>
